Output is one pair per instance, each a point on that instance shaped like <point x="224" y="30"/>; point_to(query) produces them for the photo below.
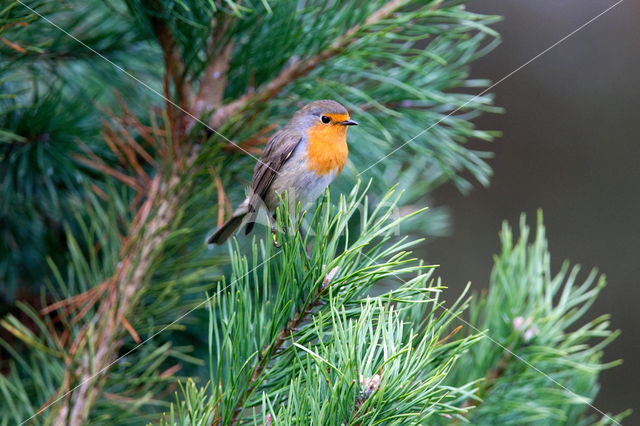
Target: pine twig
<point x="267" y="353"/>
<point x="302" y="67"/>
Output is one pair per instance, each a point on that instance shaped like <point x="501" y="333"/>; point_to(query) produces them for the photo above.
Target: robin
<point x="301" y="160"/>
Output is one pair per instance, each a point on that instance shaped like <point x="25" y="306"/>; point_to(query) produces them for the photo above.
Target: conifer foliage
<point x="127" y="131"/>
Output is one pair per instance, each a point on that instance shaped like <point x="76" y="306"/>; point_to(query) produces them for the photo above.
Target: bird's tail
<point x="230" y="226"/>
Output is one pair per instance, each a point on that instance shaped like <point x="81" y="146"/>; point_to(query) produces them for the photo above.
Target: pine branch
<point x="300" y="68"/>
<point x="528" y="313"/>
<point x="146" y="235"/>
<point x="96" y="345"/>
<point x="291" y="327"/>
<point x="245" y="370"/>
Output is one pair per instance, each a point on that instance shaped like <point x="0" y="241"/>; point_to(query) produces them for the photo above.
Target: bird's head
<point x="325" y="117"/>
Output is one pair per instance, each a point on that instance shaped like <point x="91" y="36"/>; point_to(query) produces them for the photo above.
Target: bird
<point x="301" y="159"/>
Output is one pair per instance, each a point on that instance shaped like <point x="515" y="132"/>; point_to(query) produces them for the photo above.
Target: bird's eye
<point x="325" y="119"/>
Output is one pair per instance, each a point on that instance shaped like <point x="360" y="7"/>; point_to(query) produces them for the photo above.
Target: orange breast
<point x="327" y="149"/>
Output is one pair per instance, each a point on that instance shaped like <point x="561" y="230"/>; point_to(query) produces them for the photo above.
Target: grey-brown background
<point x="571" y="147"/>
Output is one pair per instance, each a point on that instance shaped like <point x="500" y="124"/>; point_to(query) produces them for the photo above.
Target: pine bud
<point x="369" y="385"/>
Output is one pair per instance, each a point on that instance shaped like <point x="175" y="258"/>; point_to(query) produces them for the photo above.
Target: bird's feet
<point x="274" y="237"/>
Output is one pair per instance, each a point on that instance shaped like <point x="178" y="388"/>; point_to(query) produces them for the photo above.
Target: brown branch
<point x="214" y="77"/>
<point x="302" y="67"/>
<point x="173" y="62"/>
<point x="97" y="349"/>
<point x="174" y="72"/>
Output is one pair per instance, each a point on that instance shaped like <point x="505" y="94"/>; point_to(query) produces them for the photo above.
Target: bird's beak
<point x="348" y="123"/>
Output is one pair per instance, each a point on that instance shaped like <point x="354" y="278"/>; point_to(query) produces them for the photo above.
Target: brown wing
<point x="276" y="153"/>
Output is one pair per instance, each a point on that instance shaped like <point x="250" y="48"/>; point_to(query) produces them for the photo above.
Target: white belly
<point x="302" y="186"/>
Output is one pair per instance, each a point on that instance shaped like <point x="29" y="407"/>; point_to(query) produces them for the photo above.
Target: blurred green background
<point x="571" y="146"/>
